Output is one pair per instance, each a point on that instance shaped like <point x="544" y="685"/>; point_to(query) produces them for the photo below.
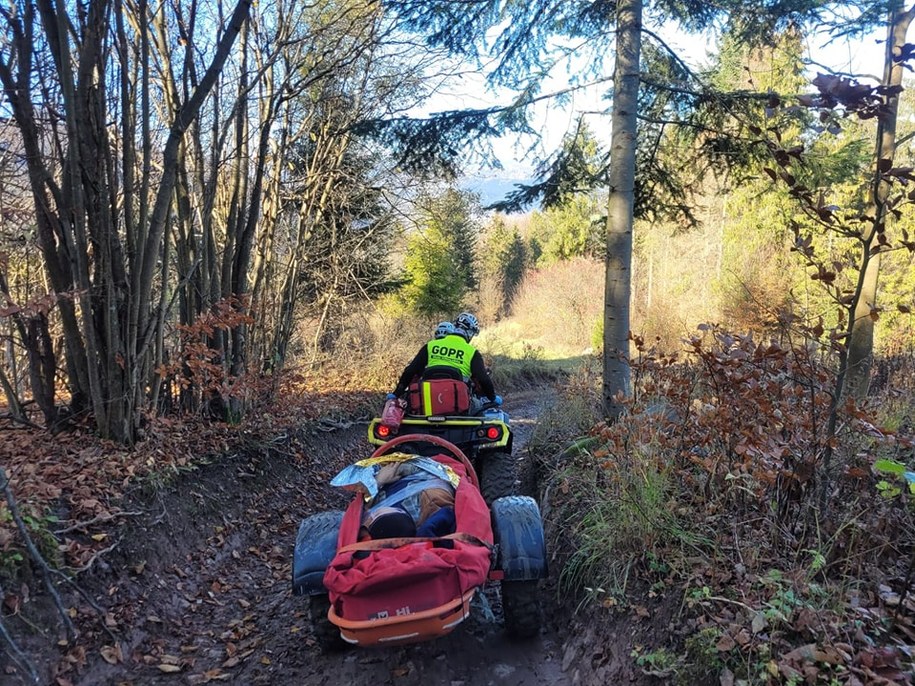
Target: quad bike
<point x="404" y="590"/>
<point x="485" y="438"/>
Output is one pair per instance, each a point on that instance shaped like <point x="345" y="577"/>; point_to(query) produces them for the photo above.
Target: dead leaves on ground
<point x="798" y="635"/>
<point x="83" y="480"/>
<point x="84" y="477"/>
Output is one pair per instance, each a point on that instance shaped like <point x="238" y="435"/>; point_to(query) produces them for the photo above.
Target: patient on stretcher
<point x="406" y="495"/>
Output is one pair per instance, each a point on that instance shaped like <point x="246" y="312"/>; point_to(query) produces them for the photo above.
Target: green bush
<point x="621" y="513"/>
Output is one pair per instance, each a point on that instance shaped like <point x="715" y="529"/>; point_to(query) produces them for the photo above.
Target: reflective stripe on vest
<point x="451" y="351"/>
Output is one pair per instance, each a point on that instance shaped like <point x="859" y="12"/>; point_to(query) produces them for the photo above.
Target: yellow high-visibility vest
<point x="451" y="351"/>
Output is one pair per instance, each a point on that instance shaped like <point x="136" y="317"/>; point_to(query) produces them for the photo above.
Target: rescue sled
<point x="393" y="591"/>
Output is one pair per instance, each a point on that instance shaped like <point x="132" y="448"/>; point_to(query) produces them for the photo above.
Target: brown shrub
<point x="559" y="306"/>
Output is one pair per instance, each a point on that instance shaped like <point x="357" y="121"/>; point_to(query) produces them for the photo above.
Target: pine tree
<point x="441" y="254"/>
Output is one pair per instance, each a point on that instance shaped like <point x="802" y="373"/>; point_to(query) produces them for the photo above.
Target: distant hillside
<point x="491" y="190"/>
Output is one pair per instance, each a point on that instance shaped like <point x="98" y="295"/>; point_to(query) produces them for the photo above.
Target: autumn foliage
<point x="717" y="484"/>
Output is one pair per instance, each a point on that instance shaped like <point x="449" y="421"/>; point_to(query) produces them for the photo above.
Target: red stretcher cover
<point x="417" y="576"/>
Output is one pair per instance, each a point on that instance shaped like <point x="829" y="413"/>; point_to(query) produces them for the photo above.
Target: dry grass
<point x="556" y="308"/>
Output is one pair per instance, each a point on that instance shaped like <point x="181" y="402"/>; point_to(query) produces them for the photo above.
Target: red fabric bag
<point x="438" y="396"/>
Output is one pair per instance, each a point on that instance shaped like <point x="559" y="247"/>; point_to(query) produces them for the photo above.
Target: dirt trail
<point x="205" y="596"/>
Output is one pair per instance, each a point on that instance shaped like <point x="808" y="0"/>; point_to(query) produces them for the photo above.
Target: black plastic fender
<point x="315" y="547"/>
<point x="518" y="532"/>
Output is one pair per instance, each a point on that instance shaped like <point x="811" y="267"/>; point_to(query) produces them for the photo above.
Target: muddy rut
<point x="202" y="591"/>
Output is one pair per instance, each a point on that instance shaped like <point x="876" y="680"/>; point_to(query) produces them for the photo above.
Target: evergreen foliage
<point x="503" y="259"/>
<point x="577" y="167"/>
<point x="441" y="254"/>
<point x="677" y="107"/>
<point x="573" y="229"/>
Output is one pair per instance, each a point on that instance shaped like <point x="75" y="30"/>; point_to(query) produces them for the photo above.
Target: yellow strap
<point x="427" y="397"/>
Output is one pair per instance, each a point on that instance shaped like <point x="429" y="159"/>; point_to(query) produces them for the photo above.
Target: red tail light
<point x="492" y="433"/>
<point x="383" y="431"/>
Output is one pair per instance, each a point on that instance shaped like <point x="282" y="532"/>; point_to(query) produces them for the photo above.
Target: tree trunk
<point x="149" y="252"/>
<point x="861" y="341"/>
<point x="618" y="286"/>
<point x="144" y="319"/>
<point x="48" y="197"/>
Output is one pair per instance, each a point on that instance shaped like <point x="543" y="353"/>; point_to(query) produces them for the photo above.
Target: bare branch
<point x="18" y="656"/>
<point x="36" y="556"/>
<point x="81" y="526"/>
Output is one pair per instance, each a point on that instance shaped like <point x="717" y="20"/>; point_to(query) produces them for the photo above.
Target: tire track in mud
<point x="223" y="611"/>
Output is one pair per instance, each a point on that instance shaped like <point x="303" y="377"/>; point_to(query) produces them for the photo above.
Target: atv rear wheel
<point x="500" y="476"/>
<point x="521" y="607"/>
<point x="326" y="635"/>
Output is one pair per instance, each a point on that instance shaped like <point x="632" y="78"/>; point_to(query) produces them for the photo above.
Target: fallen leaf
<point x="725" y="643"/>
<point x="759" y="622"/>
<point x="13" y="602"/>
<point x="111" y="654"/>
<point x="168" y="669"/>
<point x="830" y="656"/>
<point x="214" y="674"/>
<point x="802" y="654"/>
<point x="788" y="671"/>
<point x="742" y="638"/>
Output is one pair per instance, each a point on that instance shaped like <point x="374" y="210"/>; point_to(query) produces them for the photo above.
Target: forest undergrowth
<point x="69" y="486"/>
<point x="710" y="514"/>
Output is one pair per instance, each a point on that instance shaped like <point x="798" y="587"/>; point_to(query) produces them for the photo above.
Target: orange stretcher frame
<point x="397" y="630"/>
